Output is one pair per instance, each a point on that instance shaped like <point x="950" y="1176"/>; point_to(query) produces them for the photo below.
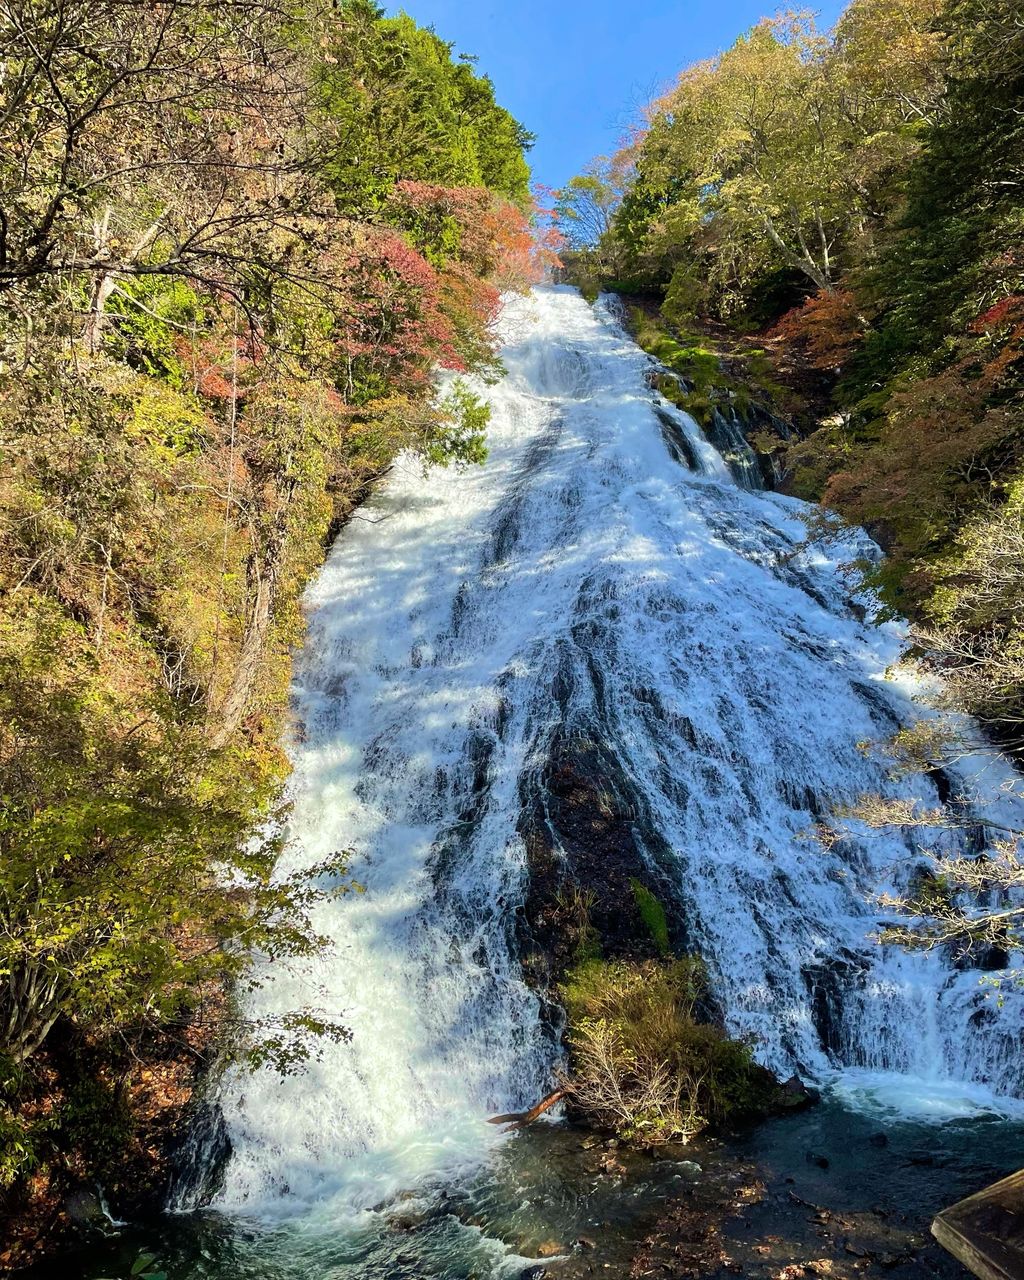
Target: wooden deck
<point x="986" y="1231"/>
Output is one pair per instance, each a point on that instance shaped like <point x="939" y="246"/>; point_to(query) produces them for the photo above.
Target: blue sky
<point x="575" y="72"/>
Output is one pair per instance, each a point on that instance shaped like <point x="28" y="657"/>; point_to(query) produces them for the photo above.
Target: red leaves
<point x="218" y="363"/>
<point x="431" y="296"/>
<point x="827" y="328"/>
<point x="496" y="239"/>
<point x="1005" y="312"/>
<point x="392" y="315"/>
<point x="939" y="443"/>
<point x="1003" y="327"/>
<point x="396" y="257"/>
<point x="405" y="298"/>
<point x="462" y="203"/>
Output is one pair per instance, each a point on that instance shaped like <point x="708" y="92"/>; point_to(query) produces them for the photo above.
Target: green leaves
<point x="403" y="109"/>
<point x="653" y="915"/>
<point x="458" y="435"/>
<point x="107" y="884"/>
<point x="776" y="153"/>
<point x="642" y="1064"/>
<point x="145" y="1267"/>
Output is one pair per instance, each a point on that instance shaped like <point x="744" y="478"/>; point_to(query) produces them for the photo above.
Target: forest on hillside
<point x="236" y="241"/>
<point x="843" y="213"/>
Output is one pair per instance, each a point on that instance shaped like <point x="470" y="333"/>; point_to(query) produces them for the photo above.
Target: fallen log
<point x="520" y="1119"/>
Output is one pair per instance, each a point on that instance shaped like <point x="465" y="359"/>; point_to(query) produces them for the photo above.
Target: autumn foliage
<point x="826" y="329"/>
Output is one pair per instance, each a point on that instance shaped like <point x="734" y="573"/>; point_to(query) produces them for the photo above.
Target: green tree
<point x="395" y="106"/>
<point x="773" y="154"/>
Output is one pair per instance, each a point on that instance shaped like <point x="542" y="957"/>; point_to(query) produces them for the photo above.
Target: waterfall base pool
<point x="848" y="1192"/>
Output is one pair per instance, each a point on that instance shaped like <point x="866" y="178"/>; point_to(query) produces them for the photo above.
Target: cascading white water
<point x="585" y="582"/>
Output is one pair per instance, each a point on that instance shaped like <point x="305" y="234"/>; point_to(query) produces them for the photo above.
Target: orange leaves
<point x="940" y="449"/>
<point x="827" y="328"/>
<point x="218" y="362"/>
<point x="549" y="241"/>
<point x="489" y="236"/>
<point x="523" y="254"/>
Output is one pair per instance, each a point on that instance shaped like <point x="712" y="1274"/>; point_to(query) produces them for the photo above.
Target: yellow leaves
<point x="890" y="53"/>
<point x="27" y="510"/>
<point x="783" y="140"/>
<point x="166" y="418"/>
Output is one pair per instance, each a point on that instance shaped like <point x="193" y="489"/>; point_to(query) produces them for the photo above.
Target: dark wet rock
<point x="84" y="1207"/>
<point x="200" y="1158"/>
<point x="589" y="839"/>
<point x="815" y="1158"/>
<point x="878" y="1140"/>
<point x="675" y="438"/>
<point x="992" y="958"/>
<point x="794" y="1095"/>
<point x="827" y="984"/>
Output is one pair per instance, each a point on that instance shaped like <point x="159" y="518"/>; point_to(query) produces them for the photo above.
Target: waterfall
<point x="602" y="579"/>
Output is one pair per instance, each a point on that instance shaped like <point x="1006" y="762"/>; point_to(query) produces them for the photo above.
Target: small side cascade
<point x="727" y="428"/>
<point x="726" y="433"/>
<point x="723" y="432"/>
<point x="688" y="444"/>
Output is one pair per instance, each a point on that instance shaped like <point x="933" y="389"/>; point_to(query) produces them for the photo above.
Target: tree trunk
<point x="519" y="1119"/>
<point x="30" y="1007"/>
<point x="106" y="281"/>
<point x="95" y="319"/>
<point x="263" y="572"/>
<point x="803" y="262"/>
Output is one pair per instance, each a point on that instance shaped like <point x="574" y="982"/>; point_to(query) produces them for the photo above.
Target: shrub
<point x="642" y="1065"/>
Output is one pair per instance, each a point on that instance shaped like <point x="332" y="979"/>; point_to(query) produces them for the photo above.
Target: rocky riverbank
<point x="110" y="1134"/>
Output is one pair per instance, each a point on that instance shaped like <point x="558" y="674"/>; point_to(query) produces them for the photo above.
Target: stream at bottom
<point x="847" y="1188"/>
